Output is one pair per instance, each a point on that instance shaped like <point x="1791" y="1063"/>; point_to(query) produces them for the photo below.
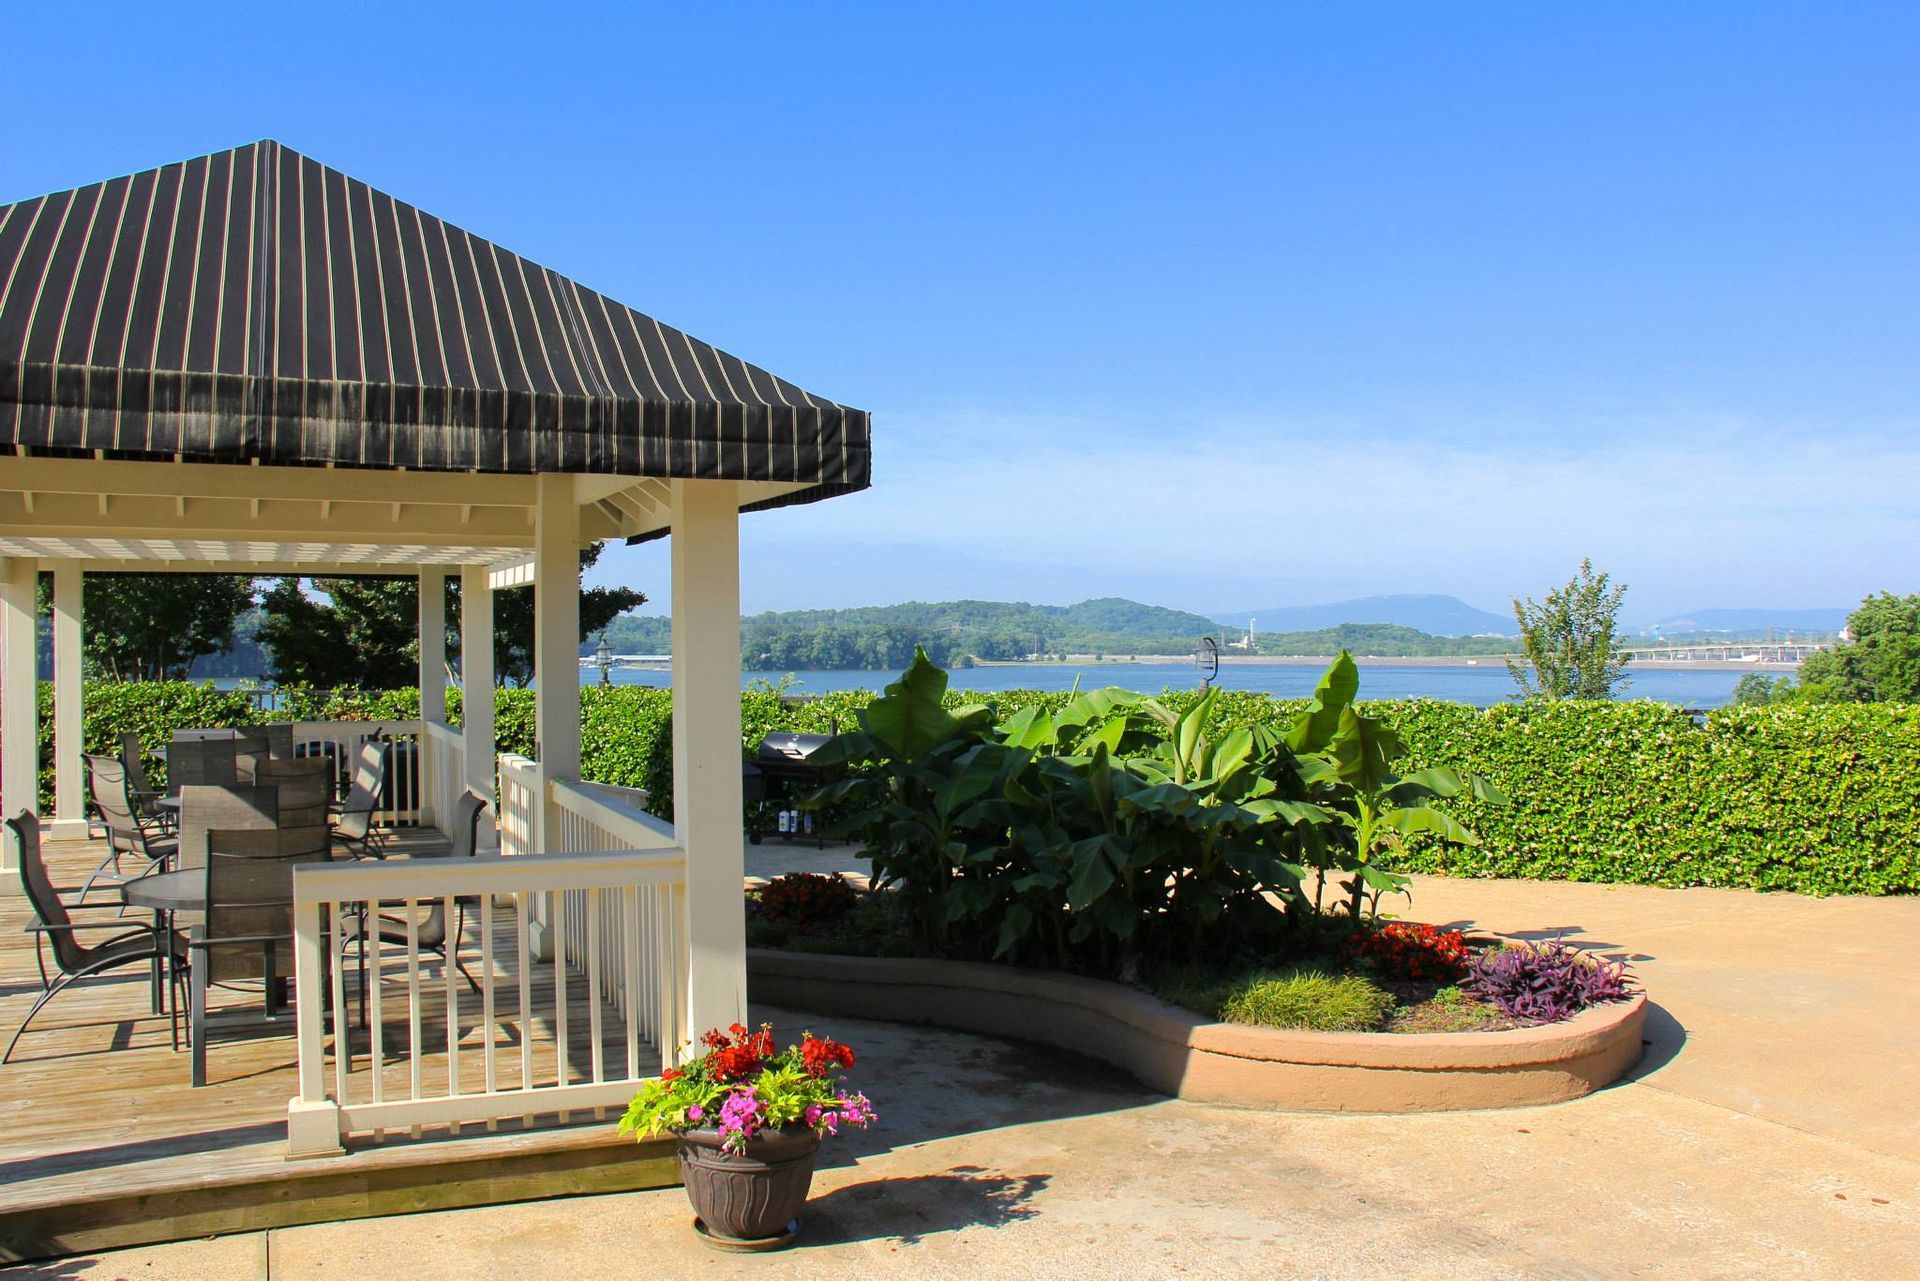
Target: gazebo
<point x="251" y="363"/>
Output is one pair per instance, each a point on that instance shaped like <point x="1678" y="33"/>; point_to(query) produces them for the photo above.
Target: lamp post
<point x="1206" y="660"/>
<point x="603" y="655"/>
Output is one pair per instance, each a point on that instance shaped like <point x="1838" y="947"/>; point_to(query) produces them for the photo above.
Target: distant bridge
<point x="1728" y="652"/>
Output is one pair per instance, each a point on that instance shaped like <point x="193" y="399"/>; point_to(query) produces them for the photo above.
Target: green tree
<point x="1568" y="641"/>
<point x="1757" y="689"/>
<point x="366" y="635"/>
<point x="152" y="626"/>
<point x="1879" y="662"/>
<point x="513" y="620"/>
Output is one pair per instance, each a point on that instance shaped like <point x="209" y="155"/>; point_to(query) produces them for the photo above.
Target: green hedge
<point x="1819" y="799"/>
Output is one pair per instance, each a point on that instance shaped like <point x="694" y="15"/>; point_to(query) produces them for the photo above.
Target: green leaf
<point x="1315" y="727"/>
<point x="1420" y="818"/>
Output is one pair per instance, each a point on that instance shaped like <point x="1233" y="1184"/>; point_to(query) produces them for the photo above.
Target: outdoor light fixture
<point x="603" y="655"/>
<point x="1206" y="660"/>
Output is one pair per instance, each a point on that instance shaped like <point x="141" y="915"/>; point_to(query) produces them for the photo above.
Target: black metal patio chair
<point x="57" y="933"/>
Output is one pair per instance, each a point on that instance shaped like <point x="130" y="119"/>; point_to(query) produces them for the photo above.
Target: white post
<point x="556" y="663"/>
<point x="69" y="723"/>
<point x="433" y="645"/>
<point x="19" y="727"/>
<point x="432" y="594"/>
<point x="707" y="820"/>
<point x="476" y="680"/>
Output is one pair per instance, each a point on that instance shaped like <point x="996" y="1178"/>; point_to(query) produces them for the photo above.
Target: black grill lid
<point x="793" y="749"/>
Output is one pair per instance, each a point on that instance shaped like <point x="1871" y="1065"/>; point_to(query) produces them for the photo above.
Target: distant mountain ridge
<point x="1750" y="621"/>
<point x="1434" y="615"/>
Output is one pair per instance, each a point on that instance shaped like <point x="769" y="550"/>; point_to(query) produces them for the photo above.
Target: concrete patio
<point x="1769" y="1132"/>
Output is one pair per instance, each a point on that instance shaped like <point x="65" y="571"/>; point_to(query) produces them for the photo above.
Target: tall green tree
<point x="1878" y="662"/>
<point x="364" y="635"/>
<point x="1569" y="642"/>
<point x="153" y="626"/>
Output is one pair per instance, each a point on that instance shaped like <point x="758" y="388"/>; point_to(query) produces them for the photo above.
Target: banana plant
<point x="1347" y="761"/>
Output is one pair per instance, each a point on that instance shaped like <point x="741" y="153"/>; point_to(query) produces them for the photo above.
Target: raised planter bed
<point x="1180" y="1053"/>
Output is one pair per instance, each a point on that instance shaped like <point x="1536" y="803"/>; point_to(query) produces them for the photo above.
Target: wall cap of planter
<point x="1177" y="1052"/>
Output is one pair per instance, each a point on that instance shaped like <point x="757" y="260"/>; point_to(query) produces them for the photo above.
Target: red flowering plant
<point x="1412" y="951"/>
<point x="804" y="898"/>
<point x="742" y="1085"/>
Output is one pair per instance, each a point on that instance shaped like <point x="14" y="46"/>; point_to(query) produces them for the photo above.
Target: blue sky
<point x="1212" y="306"/>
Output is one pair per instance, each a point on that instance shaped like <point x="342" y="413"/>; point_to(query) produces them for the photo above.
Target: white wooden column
<point x="476" y="682"/>
<point x="19" y="728"/>
<point x="69" y="719"/>
<point x="707" y="821"/>
<point x="431" y="595"/>
<point x="556" y="629"/>
<point x="556" y="665"/>
<point x="433" y="644"/>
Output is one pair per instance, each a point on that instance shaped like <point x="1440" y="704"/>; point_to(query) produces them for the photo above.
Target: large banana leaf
<point x="1315" y="727"/>
<point x="1363" y="751"/>
<point x="1422" y="818"/>
<point x="908" y="716"/>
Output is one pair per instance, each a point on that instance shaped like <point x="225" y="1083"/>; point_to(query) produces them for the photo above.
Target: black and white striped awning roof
<point x="254" y="305"/>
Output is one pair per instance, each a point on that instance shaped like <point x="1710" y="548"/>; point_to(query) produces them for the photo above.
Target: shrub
<point x="1308" y="999"/>
<point x="1405" y="950"/>
<point x="806" y="898"/>
<point x="1544" y="982"/>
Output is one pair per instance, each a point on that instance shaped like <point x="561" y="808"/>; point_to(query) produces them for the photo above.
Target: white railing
<point x="341" y="741"/>
<point x="443" y="769"/>
<point x="600" y="816"/>
<point x="406" y="1049"/>
<point x="521" y="797"/>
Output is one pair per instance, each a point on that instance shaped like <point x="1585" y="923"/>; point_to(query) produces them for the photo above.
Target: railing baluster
<point x="486" y="996"/>
<point x="630" y="989"/>
<point x="594" y="997"/>
<point x="557" y="909"/>
<point x="371" y="978"/>
<point x="525" y="959"/>
<point x="450" y="969"/>
<point x="414" y="1055"/>
<point x="342" y="1019"/>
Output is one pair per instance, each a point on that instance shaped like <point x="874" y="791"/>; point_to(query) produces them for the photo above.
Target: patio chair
<point x="279" y="740"/>
<point x="430" y="934"/>
<point x="145" y="796"/>
<point x="127" y="832"/>
<point x="193" y="762"/>
<point x="306" y="787"/>
<point x="54" y="930"/>
<point x="353" y="827"/>
<point x="247" y="932"/>
<point x="204" y="809"/>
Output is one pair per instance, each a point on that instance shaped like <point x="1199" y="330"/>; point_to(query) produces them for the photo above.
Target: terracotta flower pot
<point x="749" y="1200"/>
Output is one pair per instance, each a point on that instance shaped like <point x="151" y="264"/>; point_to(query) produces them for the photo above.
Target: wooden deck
<point x="103" y="1142"/>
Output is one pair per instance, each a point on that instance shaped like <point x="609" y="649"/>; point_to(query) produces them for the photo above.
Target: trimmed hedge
<point x="1818" y="799"/>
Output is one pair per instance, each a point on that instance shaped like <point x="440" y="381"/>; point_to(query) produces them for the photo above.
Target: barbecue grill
<point x="781" y="772"/>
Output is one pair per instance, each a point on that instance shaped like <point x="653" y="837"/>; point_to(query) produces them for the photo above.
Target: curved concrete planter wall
<point x="1179" y="1053"/>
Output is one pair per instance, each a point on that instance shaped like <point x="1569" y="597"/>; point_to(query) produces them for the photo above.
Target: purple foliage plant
<point x="1544" y="982"/>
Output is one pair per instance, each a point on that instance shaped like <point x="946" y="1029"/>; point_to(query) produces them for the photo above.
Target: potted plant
<point x="749" y="1119"/>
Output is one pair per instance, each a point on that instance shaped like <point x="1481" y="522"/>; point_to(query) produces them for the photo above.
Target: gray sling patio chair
<point x="127" y="832"/>
<point x="55" y="931"/>
<point x="306" y="787"/>
<point x="247" y="931"/>
<point x="203" y="809"/>
<point x="145" y="796"/>
<point x="192" y="762"/>
<point x="279" y="739"/>
<point x="353" y="826"/>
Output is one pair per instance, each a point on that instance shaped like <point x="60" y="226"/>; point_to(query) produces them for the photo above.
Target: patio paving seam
<point x="1905" y="1158"/>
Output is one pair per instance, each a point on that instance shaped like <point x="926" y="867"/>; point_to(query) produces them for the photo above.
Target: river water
<point x="1482" y="685"/>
